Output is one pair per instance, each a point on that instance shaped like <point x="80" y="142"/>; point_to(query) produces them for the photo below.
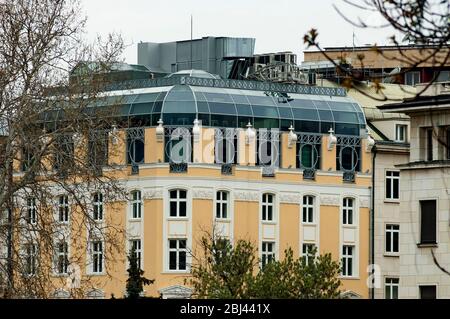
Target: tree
<point x="224" y="271"/>
<point x="136" y="280"/>
<point x="52" y="144"/>
<point x="425" y="23"/>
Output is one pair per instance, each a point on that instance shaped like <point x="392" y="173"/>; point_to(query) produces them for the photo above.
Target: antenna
<point x="192" y="32"/>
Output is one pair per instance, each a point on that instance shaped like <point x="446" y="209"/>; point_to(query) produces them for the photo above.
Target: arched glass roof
<point x="195" y="74"/>
<point x="181" y="104"/>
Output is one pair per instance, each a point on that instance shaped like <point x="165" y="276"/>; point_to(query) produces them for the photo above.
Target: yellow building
<point x="295" y="172"/>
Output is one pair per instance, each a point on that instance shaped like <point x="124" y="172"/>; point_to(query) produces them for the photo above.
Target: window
<point x="267" y="207"/>
<point x="392" y="238"/>
<point x="268" y="253"/>
<point x="177" y="254"/>
<point x="97" y="206"/>
<point x="30" y="259"/>
<point x="429" y="144"/>
<point x="347" y="260"/>
<point x="27" y="158"/>
<point x="222" y="205"/>
<point x="308" y="155"/>
<point x="267" y="147"/>
<point x="63" y="209"/>
<point x="347" y="211"/>
<point x="443" y="76"/>
<point x="178" y="201"/>
<point x="98" y="149"/>
<point x="308" y="209"/>
<point x="427" y="292"/>
<point x="136" y="205"/>
<point x="392" y="185"/>
<point x="400" y="133"/>
<point x="135" y="146"/>
<point x="428" y="222"/>
<point x="97" y="257"/>
<point x="31" y="210"/>
<point x="391" y="288"/>
<point x="226" y="146"/>
<point x="447" y="146"/>
<point x="135" y="244"/>
<point x="62" y="257"/>
<point x="412" y="78"/>
<point x="348" y="154"/>
<point x="64" y="153"/>
<point x="308" y="253"/>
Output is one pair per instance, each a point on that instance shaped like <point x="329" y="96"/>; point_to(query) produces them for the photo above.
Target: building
<point x="424" y="199"/>
<point x="386" y="65"/>
<point x="296" y="172"/>
<point x="216" y="55"/>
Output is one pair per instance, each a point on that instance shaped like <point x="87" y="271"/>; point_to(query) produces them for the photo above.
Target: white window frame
<point x="307" y="209"/>
<point x="221" y="204"/>
<point x="306" y="251"/>
<point x="63" y="209"/>
<point x="389" y="177"/>
<point x="31" y="259"/>
<point x="95" y="253"/>
<point x="97" y="206"/>
<point x="138" y="249"/>
<point x="345" y="260"/>
<point x="267" y="255"/>
<point x="178" y="250"/>
<point x="64" y="254"/>
<point x="265" y="205"/>
<point x="392" y="232"/>
<point x="178" y="200"/>
<point x="348" y="210"/>
<point x="136" y="205"/>
<point x="412" y="73"/>
<point x="31" y="211"/>
<point x="391" y="286"/>
<point x="401" y="129"/>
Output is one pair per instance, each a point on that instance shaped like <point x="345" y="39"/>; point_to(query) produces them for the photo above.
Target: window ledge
<point x="392" y="201"/>
<point x="427" y="245"/>
<point x="391" y="254"/>
<point x="349" y="277"/>
<point x="178" y="218"/>
<point x="135" y="220"/>
<point x="176" y="272"/>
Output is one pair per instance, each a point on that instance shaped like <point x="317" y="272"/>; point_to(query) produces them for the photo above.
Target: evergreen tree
<point x="136" y="280"/>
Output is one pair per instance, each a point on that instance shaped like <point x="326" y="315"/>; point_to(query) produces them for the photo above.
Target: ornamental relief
<point x="290" y="198"/>
<point x="153" y="194"/>
<point x="246" y="196"/>
<point x="364" y="202"/>
<point x="202" y="194"/>
<point x="330" y="200"/>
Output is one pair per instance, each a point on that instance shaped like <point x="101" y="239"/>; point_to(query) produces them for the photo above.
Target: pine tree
<point x="136" y="280"/>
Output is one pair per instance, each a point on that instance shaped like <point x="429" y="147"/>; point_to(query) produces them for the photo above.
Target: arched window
<point x="178" y="203"/>
<point x="267" y="206"/>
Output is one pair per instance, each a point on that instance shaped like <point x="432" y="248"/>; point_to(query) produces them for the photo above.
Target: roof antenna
<point x="192" y="32"/>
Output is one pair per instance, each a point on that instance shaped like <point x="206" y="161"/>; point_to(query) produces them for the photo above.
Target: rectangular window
<point x="30" y="259"/>
<point x="427" y="292"/>
<point x="135" y="244"/>
<point x="428" y="222"/>
<point x="177" y="254"/>
<point x="267" y="207"/>
<point x="97" y="257"/>
<point x="307" y="253"/>
<point x="392" y="185"/>
<point x="391" y="288"/>
<point x="268" y="253"/>
<point x="136" y="205"/>
<point x="97" y="206"/>
<point x="347" y="261"/>
<point x="63" y="209"/>
<point x="222" y="205"/>
<point x="178" y="202"/>
<point x="412" y="78"/>
<point x="347" y="211"/>
<point x="392" y="238"/>
<point x="31" y="210"/>
<point x="98" y="149"/>
<point x="400" y="132"/>
<point x="308" y="209"/>
<point x="429" y="144"/>
<point x="62" y="257"/>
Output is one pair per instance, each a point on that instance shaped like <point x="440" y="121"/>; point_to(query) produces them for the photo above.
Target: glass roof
<point x="194" y="74"/>
<point x="223" y="107"/>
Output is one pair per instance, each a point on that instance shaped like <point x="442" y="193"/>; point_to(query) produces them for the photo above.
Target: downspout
<point x="372" y="222"/>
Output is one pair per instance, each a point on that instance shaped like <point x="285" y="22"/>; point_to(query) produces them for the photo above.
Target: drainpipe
<point x="372" y="220"/>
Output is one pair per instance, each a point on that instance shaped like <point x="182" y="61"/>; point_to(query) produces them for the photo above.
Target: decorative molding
<point x="329" y="200"/>
<point x="176" y="292"/>
<point x="246" y="196"/>
<point x="364" y="202"/>
<point x="290" y="198"/>
<point x="202" y="194"/>
<point x="153" y="194"/>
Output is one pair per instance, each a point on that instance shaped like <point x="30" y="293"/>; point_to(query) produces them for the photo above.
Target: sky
<point x="277" y="25"/>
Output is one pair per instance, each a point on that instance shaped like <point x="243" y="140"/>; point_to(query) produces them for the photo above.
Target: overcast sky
<point x="277" y="25"/>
